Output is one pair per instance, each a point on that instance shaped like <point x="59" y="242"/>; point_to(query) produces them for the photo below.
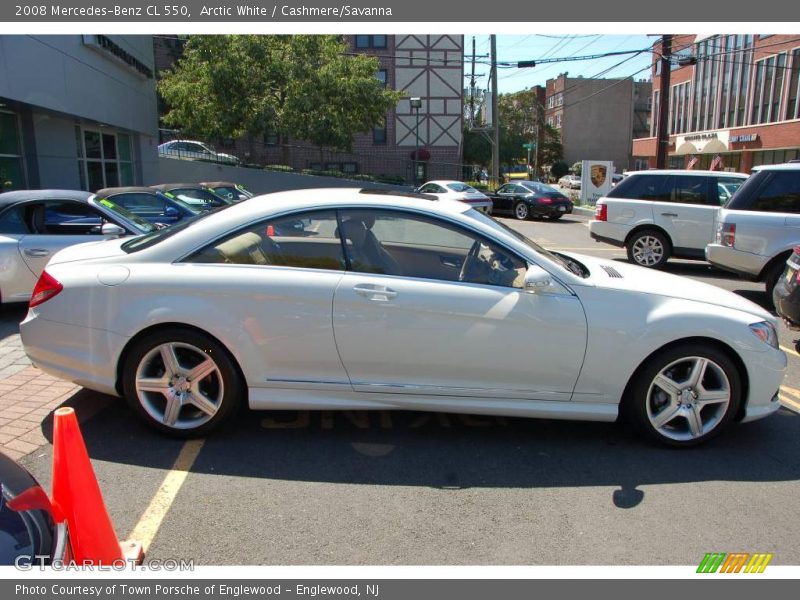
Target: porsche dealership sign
<point x="596" y="178"/>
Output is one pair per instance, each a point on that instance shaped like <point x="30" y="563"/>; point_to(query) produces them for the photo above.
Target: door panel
<point x="16" y="279"/>
<point x="405" y="335"/>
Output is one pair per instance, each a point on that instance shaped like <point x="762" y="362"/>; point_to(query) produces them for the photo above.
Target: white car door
<point x="424" y="331"/>
<point x="687" y="211"/>
<point x="54" y="225"/>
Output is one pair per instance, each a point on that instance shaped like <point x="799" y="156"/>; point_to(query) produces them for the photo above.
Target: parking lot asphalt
<point x="280" y="488"/>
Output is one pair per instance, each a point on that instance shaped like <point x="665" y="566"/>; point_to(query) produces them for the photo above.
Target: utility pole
<point x="662" y="133"/>
<point x="495" y="121"/>
<point x="472" y="88"/>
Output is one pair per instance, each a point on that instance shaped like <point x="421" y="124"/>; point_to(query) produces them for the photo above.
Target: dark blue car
<point x="149" y="204"/>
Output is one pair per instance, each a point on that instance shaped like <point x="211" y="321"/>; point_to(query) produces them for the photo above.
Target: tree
<point x="559" y="169"/>
<point x="577" y="168"/>
<point x="303" y="86"/>
<point x="550" y="150"/>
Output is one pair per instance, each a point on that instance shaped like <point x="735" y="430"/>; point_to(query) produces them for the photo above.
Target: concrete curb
<point x="582" y="210"/>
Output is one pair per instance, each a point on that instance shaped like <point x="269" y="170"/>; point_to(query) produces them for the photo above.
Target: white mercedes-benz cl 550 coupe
<point x="348" y="299"/>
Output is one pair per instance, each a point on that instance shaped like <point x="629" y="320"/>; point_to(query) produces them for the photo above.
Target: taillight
<point x="47" y="287"/>
<point x="726" y="234"/>
<point x="545" y="200"/>
<point x="601" y="212"/>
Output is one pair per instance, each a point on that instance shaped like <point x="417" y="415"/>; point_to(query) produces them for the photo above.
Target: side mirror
<point x="112" y="229"/>
<point x="537" y="280"/>
<point x="171" y="212"/>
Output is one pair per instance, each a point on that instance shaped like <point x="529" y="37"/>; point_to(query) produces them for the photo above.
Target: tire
<point x="772" y="276"/>
<point x="521" y="211"/>
<point x="648" y="248"/>
<point x="666" y="406"/>
<point x="175" y="404"/>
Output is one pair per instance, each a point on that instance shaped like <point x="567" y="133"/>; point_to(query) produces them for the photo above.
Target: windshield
<point x="159" y="235"/>
<point x="461" y="187"/>
<point x="232" y="193"/>
<point x="197" y="197"/>
<point x="479" y="216"/>
<point x="142" y="225"/>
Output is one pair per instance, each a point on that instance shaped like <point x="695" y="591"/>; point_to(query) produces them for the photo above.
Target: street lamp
<point x="416" y="104"/>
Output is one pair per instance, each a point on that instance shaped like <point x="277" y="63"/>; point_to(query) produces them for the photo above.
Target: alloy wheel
<point x="648" y="250"/>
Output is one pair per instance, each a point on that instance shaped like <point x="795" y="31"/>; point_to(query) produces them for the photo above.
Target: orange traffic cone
<point x="76" y="495"/>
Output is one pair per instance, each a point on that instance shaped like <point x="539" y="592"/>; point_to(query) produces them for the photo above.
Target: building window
<point x="370" y="41"/>
<point x="104" y="159"/>
<point x="382" y="75"/>
<point x="350" y="167"/>
<point x="680" y="97"/>
<point x="12" y="172"/>
<point x="654" y="124"/>
<point x="379" y="133"/>
<point x="794" y="87"/>
<point x="768" y="89"/>
<point x="271" y="139"/>
<point x="558" y="121"/>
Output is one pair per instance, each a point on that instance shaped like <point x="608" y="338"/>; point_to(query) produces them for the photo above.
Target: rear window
<point x="460" y="187"/>
<point x="779" y="193"/>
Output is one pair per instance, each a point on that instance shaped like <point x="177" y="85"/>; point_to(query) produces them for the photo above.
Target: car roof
<point x="780" y="167"/>
<point x="106" y="192"/>
<point x="212" y="184"/>
<point x="444" y="181"/>
<point x="171" y="186"/>
<point x="8" y="198"/>
<point x="192" y="141"/>
<point x="687" y="172"/>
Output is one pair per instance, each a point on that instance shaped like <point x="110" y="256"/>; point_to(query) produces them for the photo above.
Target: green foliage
<point x="286" y="168"/>
<point x="303" y="86"/>
<point x="577" y="168"/>
<point x="559" y="169"/>
<point x="393" y="179"/>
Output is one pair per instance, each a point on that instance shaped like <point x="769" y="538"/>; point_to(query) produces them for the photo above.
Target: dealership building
<point x="733" y="105"/>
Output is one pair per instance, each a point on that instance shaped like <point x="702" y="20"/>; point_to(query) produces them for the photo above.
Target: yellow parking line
<point x="790" y="351"/>
<point x="150" y="521"/>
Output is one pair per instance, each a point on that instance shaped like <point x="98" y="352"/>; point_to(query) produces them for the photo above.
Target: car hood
<point x="90" y="250"/>
<point x="612" y="274"/>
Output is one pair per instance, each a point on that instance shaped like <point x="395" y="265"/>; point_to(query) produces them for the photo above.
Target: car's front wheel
<point x="685" y="395"/>
<point x="521" y="211"/>
<point x="648" y="248"/>
<point x="181" y="382"/>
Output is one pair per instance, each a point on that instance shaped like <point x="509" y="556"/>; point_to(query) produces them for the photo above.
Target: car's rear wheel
<point x="521" y="211"/>
<point x="648" y="248"/>
<point x="772" y="276"/>
<point x="685" y="395"/>
<point x="181" y="382"/>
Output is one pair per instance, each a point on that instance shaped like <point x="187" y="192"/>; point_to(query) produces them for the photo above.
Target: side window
<point x="397" y="243"/>
<point x="780" y="194"/>
<point x="427" y="188"/>
<point x="689" y="189"/>
<point x="506" y="189"/>
<point x="62" y="217"/>
<point x="726" y="186"/>
<point x="11" y="221"/>
<point x="304" y="240"/>
<point x="642" y="187"/>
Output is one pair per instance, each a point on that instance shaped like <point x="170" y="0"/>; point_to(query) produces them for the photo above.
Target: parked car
<point x="149" y="204"/>
<point x="195" y="195"/>
<point x="760" y="225"/>
<point x="28" y="534"/>
<point x="457" y="190"/>
<point x="234" y="192"/>
<point x="659" y="214"/>
<point x="194" y="150"/>
<point x="526" y="199"/>
<point x="35" y="224"/>
<point x="572" y="182"/>
<point x="786" y="293"/>
<point x="382" y="302"/>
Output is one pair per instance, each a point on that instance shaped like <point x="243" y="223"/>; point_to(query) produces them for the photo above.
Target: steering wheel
<point x="469" y="262"/>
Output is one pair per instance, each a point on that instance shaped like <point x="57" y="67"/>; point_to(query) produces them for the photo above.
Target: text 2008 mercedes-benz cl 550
<point x="320" y="299"/>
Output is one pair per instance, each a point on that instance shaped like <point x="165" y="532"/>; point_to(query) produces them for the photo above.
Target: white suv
<point x="661" y="213"/>
<point x="758" y="228"/>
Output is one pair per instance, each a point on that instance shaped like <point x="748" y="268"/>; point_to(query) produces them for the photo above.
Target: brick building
<point x="430" y="67"/>
<point x="740" y="101"/>
<point x="598" y="118"/>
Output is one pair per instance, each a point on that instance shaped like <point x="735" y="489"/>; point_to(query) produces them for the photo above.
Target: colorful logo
<point x="737" y="562"/>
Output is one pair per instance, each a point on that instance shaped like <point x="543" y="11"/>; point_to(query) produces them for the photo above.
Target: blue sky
<point x="538" y="46"/>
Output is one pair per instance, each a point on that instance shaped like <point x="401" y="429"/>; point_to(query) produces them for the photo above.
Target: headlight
<point x="765" y="332"/>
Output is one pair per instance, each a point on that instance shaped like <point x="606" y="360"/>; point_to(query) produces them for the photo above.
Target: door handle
<point x="378" y="293"/>
<point x="36" y="252"/>
<point x="449" y="262"/>
<point x="669" y="214"/>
